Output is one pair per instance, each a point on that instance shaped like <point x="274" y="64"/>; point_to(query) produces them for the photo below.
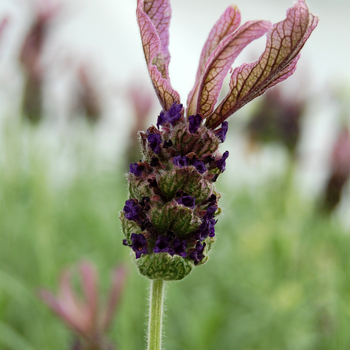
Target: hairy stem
<point x="155" y="315"/>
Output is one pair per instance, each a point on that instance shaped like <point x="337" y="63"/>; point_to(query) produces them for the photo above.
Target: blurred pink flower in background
<point x="89" y="101"/>
<point x="3" y="24"/>
<point x="84" y="315"/>
<point x="340" y="170"/>
<point x="277" y="119"/>
<point x="31" y="56"/>
<point x="142" y="99"/>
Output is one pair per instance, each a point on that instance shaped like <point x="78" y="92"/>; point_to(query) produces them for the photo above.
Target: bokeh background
<point x="74" y="90"/>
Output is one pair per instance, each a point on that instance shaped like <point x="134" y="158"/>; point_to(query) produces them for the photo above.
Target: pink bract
<point x="225" y="42"/>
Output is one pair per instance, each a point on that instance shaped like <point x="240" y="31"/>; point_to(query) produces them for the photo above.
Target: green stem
<point x="155" y="315"/>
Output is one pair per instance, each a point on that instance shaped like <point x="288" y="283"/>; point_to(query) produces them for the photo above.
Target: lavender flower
<point x="154" y="141"/>
<point x="180" y="161"/>
<point x="199" y="165"/>
<point x="132" y="210"/>
<point x="187" y="141"/>
<point x="194" y="122"/>
<point x="179" y="247"/>
<point x="162" y="245"/>
<point x="85" y="316"/>
<point x="221" y="133"/>
<point x="170" y="116"/>
<point x="187" y="201"/>
<point x="139" y="244"/>
<point x="221" y="163"/>
<point x="135" y="169"/>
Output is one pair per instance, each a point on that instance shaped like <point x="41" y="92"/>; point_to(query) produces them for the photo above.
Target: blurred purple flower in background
<point x="84" y="315"/>
<point x="340" y="170"/>
<point x="277" y="119"/>
<point x="141" y="98"/>
<point x="89" y="101"/>
<point x="31" y="56"/>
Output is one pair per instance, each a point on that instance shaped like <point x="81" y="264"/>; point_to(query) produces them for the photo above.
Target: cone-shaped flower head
<point x="181" y="160"/>
<point x="85" y="316"/>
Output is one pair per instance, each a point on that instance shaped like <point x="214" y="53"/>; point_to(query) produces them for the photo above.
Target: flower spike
<point x="174" y="230"/>
<point x="277" y="63"/>
<point x="155" y="39"/>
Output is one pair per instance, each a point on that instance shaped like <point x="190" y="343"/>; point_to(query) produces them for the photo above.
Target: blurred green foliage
<point x="278" y="277"/>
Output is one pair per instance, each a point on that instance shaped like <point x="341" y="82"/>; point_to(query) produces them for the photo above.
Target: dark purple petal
<point x="154" y="141"/>
<point x="179" y="247"/>
<point x="162" y="244"/>
<point x="125" y="242"/>
<point x="154" y="162"/>
<point x="187" y="201"/>
<point x="131" y="210"/>
<point x="221" y="133"/>
<point x="211" y="211"/>
<point x="161" y="119"/>
<point x="180" y="161"/>
<point x="145" y="224"/>
<point x="167" y="143"/>
<point x="221" y="163"/>
<point x="174" y="113"/>
<point x="194" y="122"/>
<point x="199" y="165"/>
<point x="197" y="255"/>
<point x="139" y="244"/>
<point x="135" y="169"/>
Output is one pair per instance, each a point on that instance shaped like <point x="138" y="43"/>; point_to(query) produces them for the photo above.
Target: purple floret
<point x="211" y="211"/>
<point x="174" y="113"/>
<point x="139" y="244"/>
<point x="161" y="119"/>
<point x="194" y="123"/>
<point x="154" y="141"/>
<point x="187" y="201"/>
<point x="131" y="210"/>
<point x="180" y="161"/>
<point x="135" y="169"/>
<point x="208" y="222"/>
<point x="162" y="245"/>
<point x="198" y="255"/>
<point x="199" y="165"/>
<point x="221" y="133"/>
<point x="221" y="163"/>
<point x="179" y="247"/>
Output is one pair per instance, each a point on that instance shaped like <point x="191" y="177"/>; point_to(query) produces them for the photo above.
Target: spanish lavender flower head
<point x="180" y="184"/>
